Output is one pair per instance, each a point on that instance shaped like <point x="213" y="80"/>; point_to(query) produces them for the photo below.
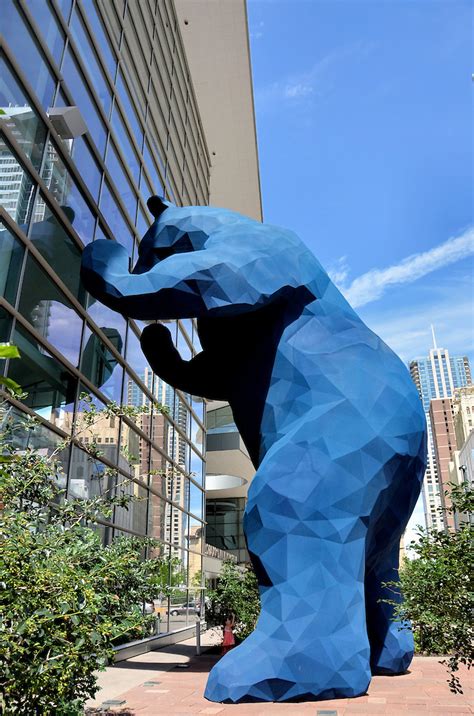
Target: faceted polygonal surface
<point x="331" y="420"/>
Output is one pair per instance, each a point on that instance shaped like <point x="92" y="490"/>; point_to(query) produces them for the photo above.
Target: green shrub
<point x="237" y="593"/>
<point x="65" y="599"/>
<point x="437" y="588"/>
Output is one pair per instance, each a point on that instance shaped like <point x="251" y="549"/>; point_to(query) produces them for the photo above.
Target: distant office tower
<point x="437" y="376"/>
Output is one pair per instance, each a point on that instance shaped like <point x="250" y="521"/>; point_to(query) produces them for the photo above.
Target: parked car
<point x="179" y="609"/>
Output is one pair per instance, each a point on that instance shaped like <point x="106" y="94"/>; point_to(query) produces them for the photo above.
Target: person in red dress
<point x="229" y="640"/>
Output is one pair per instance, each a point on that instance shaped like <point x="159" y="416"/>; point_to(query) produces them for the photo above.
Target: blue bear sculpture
<point x="331" y="420"/>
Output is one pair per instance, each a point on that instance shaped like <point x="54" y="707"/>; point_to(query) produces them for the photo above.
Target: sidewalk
<point x="153" y="685"/>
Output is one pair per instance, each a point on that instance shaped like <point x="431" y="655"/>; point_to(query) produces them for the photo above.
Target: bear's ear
<point x="156" y="205"/>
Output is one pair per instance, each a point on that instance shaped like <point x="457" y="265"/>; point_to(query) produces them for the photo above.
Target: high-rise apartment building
<point x="437" y="376"/>
<point x="444" y="443"/>
<point x="98" y="111"/>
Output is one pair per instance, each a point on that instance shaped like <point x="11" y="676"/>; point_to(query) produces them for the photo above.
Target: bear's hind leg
<point x="309" y="552"/>
<point x="391" y="642"/>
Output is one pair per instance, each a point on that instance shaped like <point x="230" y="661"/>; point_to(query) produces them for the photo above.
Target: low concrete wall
<point x="134" y="648"/>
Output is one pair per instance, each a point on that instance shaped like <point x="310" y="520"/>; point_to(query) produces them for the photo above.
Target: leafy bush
<point x="236" y="593"/>
<point x="65" y="599"/>
<point x="437" y="588"/>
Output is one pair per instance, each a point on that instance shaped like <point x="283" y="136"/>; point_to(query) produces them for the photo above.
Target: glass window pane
<point x="136" y="358"/>
<point x="196" y="537"/>
<point x="85" y="163"/>
<point x="67" y="194"/>
<point x="196" y="434"/>
<point x="125" y="144"/>
<point x="48" y="26"/>
<point x="83" y="100"/>
<point x="90" y="61"/>
<point x="100" y="34"/>
<point x="27" y="128"/>
<point x="51" y="388"/>
<point x="100" y="365"/>
<point x="134" y="516"/>
<point x="17" y="196"/>
<point x="127" y="193"/>
<point x="49" y="312"/>
<point x="142" y="223"/>
<point x="129" y="109"/>
<point x="87" y="478"/>
<point x="5" y="328"/>
<point x="11" y="260"/>
<point x="158" y="511"/>
<point x="41" y="438"/>
<point x="105" y="318"/>
<point x="195" y="500"/>
<point x="114" y="218"/>
<point x="196" y="468"/>
<point x="60" y="251"/>
<point x="152" y="169"/>
<point x="28" y="54"/>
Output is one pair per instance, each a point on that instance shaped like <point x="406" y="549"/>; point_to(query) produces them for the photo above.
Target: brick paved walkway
<point x="161" y="688"/>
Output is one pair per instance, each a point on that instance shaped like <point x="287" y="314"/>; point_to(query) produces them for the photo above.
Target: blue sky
<point x="364" y="125"/>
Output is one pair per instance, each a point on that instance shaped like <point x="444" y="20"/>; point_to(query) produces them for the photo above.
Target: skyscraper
<point x="437" y="376"/>
<point x="98" y="112"/>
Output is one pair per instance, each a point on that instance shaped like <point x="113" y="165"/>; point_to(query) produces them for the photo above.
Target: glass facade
<point x="119" y="70"/>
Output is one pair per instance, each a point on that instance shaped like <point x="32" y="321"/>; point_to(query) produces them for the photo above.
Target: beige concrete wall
<point x="215" y="36"/>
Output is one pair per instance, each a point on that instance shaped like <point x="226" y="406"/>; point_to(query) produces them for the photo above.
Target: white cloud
<point x="373" y="284"/>
<point x="339" y="271"/>
<point x="297" y="90"/>
<point x="407" y="331"/>
<point x="303" y="84"/>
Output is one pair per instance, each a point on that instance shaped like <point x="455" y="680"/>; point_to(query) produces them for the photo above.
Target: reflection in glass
<point x="132" y="120"/>
<point x="100" y="35"/>
<point x="5" y="327"/>
<point x="28" y="54"/>
<point x="103" y="431"/>
<point x="88" y="478"/>
<point x="114" y="218"/>
<point x="179" y="538"/>
<point x="64" y="189"/>
<point x="49" y="311"/>
<point x="85" y="163"/>
<point x="48" y="26"/>
<point x="225" y="524"/>
<point x="157" y="473"/>
<point x="39" y="437"/>
<point x="83" y="100"/>
<point x="51" y="388"/>
<point x="197" y="468"/>
<point x="11" y="260"/>
<point x="16" y="187"/>
<point x="133" y="517"/>
<point x="104" y="316"/>
<point x="100" y="365"/>
<point x="152" y="170"/>
<point x="117" y="173"/>
<point x="54" y="244"/>
<point x="89" y="59"/>
<point x="26" y="126"/>
<point x="157" y="518"/>
<point x="125" y="144"/>
<point x="195" y="500"/>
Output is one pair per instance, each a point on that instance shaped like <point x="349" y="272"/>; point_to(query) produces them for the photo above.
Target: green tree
<point x="437" y="588"/>
<point x="65" y="599"/>
<point x="237" y="593"/>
